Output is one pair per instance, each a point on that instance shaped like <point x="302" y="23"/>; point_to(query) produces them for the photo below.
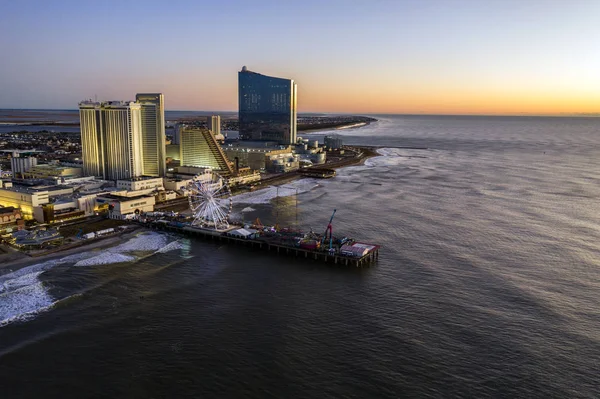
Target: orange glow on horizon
<point x="326" y="94"/>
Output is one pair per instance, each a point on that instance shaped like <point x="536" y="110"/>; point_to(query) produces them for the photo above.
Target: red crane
<point x="330" y="230"/>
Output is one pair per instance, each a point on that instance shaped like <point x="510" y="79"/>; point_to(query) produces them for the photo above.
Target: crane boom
<point x="330" y="229"/>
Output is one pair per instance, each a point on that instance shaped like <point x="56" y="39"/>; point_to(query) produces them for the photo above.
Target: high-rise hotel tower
<point x="267" y="107"/>
<point x="213" y="123"/>
<point x="153" y="133"/>
<point x="111" y="139"/>
<point x="123" y="140"/>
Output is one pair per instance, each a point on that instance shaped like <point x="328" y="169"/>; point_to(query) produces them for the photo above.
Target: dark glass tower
<point x="267" y="107"/>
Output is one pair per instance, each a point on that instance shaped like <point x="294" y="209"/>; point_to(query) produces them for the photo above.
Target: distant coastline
<point x="310" y="125"/>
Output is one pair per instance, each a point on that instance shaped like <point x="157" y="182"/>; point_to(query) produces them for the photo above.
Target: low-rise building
<point x="45" y="171"/>
<point x="10" y="218"/>
<point x="282" y="163"/>
<point x="165" y="195"/>
<point x="253" y="157"/>
<point x="124" y="207"/>
<point x="27" y="198"/>
<point x="333" y="142"/>
<point x="59" y="210"/>
<point x="141" y="183"/>
<point x="245" y="177"/>
<point x="176" y="184"/>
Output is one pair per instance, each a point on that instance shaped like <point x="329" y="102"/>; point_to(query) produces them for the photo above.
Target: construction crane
<point x="330" y="229"/>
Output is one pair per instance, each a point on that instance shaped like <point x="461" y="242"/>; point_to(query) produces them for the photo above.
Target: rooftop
<point x="121" y="198"/>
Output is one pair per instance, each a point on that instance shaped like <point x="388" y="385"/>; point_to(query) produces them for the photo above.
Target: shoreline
<point x="364" y="153"/>
<point x="13" y="260"/>
<point x="27" y="260"/>
<point x="340" y="126"/>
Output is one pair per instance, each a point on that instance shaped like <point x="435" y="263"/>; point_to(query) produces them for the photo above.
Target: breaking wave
<point x="23" y="294"/>
<point x="22" y="297"/>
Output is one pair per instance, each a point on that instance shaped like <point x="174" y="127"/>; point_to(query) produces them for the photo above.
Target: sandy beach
<point x="13" y="260"/>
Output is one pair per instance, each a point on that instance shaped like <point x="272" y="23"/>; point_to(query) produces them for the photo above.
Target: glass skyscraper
<point x="267" y="107"/>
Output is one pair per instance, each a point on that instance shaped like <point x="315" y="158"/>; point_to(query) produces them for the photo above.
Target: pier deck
<point x="266" y="245"/>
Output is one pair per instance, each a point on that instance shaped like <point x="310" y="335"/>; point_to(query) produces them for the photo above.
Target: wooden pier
<point x="265" y="245"/>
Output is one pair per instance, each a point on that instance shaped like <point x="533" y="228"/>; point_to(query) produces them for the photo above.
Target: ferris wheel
<point x="210" y="200"/>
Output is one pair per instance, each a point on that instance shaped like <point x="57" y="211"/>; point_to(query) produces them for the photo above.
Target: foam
<point x="143" y="242"/>
<point x="247" y="209"/>
<point x="23" y="297"/>
<point x="172" y="246"/>
<point x="106" y="258"/>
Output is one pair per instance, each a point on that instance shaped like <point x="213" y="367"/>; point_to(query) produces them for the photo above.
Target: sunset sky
<point x="377" y="56"/>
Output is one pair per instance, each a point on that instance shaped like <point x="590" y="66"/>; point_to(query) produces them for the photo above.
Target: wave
<point x="23" y="297"/>
<point x="149" y="241"/>
<point x="175" y="245"/>
<point x="390" y="157"/>
<point x="106" y="258"/>
<point x="23" y="294"/>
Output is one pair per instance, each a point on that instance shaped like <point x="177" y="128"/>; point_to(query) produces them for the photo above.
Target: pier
<point x="265" y="244"/>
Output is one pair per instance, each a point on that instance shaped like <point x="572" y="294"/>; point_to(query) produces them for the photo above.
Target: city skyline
<point x="435" y="57"/>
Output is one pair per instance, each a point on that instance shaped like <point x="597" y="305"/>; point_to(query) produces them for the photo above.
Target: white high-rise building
<point x="153" y="133"/>
<point x="20" y="165"/>
<point x="111" y="139"/>
<point x="213" y="123"/>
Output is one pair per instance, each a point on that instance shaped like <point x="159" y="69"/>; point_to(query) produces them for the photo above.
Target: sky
<point x="347" y="56"/>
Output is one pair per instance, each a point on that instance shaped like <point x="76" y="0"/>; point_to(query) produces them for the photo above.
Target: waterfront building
<point x="111" y="139"/>
<point x="153" y="133"/>
<point x="10" y="218"/>
<point x="333" y="142"/>
<point x="310" y="152"/>
<point x="186" y="173"/>
<point x="60" y="210"/>
<point x="267" y="107"/>
<point x="200" y="148"/>
<point x="126" y="207"/>
<point x="282" y="162"/>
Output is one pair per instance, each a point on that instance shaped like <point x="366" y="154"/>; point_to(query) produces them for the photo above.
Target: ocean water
<point x="487" y="284"/>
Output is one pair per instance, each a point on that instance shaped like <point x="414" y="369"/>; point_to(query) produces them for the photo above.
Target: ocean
<point x="486" y="286"/>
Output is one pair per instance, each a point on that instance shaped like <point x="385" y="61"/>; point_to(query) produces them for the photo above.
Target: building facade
<point x="140" y="183"/>
<point x="44" y="171"/>
<point x="267" y="107"/>
<point x="122" y="207"/>
<point x="200" y="148"/>
<point x="20" y="165"/>
<point x="111" y="139"/>
<point x="213" y="123"/>
<point x="153" y="133"/>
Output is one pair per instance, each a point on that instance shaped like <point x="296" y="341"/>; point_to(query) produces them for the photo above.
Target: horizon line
<point x="524" y="114"/>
